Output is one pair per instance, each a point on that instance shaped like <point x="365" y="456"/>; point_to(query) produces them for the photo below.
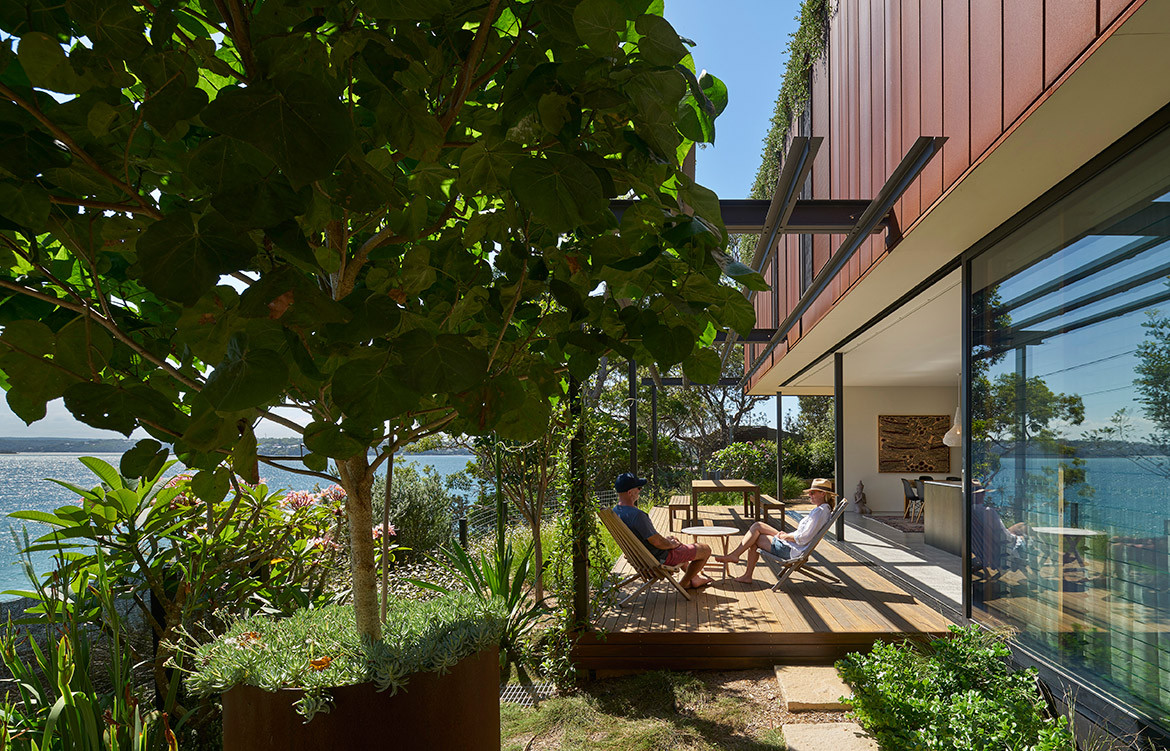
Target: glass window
<point x="1070" y="431"/>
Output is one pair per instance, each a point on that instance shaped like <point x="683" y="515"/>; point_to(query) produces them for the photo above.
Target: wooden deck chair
<point x="789" y="566"/>
<point x="648" y="568"/>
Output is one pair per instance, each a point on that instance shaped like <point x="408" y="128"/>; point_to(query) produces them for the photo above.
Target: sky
<point x="741" y="42"/>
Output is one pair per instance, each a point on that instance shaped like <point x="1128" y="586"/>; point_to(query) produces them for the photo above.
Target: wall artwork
<point x="912" y="444"/>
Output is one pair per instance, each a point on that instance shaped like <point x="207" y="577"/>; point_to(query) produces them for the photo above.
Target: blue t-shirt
<point x="639" y="523"/>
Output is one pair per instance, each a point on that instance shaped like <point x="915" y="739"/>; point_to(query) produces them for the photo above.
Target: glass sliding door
<point x="1070" y="431"/>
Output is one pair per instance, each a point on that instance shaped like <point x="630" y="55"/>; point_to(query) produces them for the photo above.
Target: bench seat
<point x="767" y="503"/>
<point x="678" y="503"/>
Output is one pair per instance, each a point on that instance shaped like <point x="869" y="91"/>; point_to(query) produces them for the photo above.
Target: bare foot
<point x="697" y="582"/>
<point x="745" y="579"/>
<point x="727" y="558"/>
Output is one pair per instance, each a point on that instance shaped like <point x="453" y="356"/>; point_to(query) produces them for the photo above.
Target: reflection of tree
<point x="1153" y="386"/>
<point x="1012" y="413"/>
<point x="1016" y="410"/>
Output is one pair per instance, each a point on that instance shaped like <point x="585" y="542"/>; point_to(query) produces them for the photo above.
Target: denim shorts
<point x="780" y="548"/>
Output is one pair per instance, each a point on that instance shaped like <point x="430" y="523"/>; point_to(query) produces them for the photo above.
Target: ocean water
<point x="24" y="484"/>
<point x="1120" y="496"/>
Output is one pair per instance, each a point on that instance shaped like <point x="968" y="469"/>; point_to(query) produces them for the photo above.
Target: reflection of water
<point x="23" y="485"/>
<point x="1125" y="499"/>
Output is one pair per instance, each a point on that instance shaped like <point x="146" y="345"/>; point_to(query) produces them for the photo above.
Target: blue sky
<point x="742" y="42"/>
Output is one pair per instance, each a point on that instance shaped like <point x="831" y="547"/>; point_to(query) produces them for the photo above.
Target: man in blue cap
<point x="668" y="550"/>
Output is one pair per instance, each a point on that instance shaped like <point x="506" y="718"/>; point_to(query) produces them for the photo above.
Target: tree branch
<point x="386" y="237"/>
<point x="70" y="144"/>
<point x="100" y="205"/>
<point x="463" y="83"/>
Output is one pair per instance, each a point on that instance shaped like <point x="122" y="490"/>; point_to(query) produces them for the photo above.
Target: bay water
<point x="25" y="484"/>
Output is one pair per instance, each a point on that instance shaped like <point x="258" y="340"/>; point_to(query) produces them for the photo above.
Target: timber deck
<point x="729" y="625"/>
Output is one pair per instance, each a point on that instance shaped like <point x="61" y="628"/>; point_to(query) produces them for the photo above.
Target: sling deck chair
<point x="790" y="566"/>
<point x="646" y="565"/>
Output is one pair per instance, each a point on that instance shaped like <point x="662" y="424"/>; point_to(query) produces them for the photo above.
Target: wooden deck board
<point x="729" y="624"/>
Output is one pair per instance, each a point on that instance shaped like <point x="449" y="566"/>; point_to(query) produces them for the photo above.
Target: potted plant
<point x="305" y="681"/>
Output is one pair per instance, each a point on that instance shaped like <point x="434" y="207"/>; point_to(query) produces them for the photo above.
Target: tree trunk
<point x="358" y="481"/>
<point x="538" y="558"/>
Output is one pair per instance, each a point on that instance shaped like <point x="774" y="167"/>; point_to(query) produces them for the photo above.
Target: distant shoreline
<point x="286" y="447"/>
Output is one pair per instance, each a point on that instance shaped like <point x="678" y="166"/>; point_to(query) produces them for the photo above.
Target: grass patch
<point x="646" y="712"/>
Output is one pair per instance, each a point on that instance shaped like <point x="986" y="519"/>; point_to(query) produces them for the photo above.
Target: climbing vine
<point x="806" y="45"/>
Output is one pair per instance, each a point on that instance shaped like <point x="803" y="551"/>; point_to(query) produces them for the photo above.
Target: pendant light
<point x="954" y="436"/>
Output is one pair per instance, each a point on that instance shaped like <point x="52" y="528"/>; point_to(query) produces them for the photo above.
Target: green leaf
<point x="702" y="366"/>
<point x="372" y="387"/>
<point x="561" y="191"/>
<point x="695" y="124"/>
<point x="109" y="407"/>
<point x="736" y="313"/>
<point x="483" y="169"/>
<point x="267" y="202"/>
<point x="315" y="462"/>
<point x="246" y="379"/>
<point x="244" y="461"/>
<point x="440" y="364"/>
<point x="296" y="120"/>
<point x="659" y="44"/>
<point x="27" y="204"/>
<point x="29" y="154"/>
<point x="46" y="65"/>
<point x="739" y="272"/>
<point x="329" y="440"/>
<point x="83" y="347"/>
<point x="144" y="460"/>
<point x="669" y="345"/>
<point x="715" y="91"/>
<point x="180" y="260"/>
<point x="211" y="486"/>
<point x="172" y="104"/>
<point x="598" y="23"/>
<point x="527" y="421"/>
<point x="112" y="25"/>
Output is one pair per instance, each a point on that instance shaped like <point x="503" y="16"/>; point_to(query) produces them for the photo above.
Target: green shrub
<point x="809" y="458"/>
<point x="754" y="461"/>
<point x="794" y="486"/>
<point x="955" y="694"/>
<point x="316" y="649"/>
<point x="421" y="508"/>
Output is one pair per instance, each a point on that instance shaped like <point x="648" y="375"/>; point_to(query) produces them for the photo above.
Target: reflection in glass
<point x="1070" y="431"/>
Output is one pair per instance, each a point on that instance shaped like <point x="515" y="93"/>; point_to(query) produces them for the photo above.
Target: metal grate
<point x="523" y="695"/>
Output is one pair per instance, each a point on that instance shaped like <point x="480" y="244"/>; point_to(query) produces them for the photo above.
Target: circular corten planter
<point x="459" y="710"/>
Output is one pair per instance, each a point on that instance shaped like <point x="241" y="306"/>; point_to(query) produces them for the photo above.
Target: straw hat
<point x="823" y="485"/>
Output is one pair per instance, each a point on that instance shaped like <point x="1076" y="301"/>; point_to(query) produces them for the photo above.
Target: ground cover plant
<point x="954" y="694"/>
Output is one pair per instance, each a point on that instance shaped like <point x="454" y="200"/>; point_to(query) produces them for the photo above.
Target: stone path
<point x="828" y="736"/>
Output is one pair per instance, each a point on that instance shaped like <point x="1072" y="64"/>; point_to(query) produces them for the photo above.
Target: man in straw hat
<point x="763" y="536"/>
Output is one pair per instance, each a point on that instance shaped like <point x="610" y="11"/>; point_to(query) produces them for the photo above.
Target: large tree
<point x="364" y="220"/>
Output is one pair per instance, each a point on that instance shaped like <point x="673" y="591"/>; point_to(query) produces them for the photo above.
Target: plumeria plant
<point x="183" y="560"/>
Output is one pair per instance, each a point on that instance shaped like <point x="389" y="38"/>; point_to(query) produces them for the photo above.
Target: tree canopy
<point x="366" y="220"/>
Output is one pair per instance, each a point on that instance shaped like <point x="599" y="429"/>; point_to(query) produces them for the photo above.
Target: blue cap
<point x="626" y="481"/>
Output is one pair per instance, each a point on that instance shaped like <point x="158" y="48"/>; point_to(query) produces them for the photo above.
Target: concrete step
<point x="809" y="688"/>
<point x="828" y="736"/>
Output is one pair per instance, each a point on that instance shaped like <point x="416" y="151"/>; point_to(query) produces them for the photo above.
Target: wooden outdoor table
<point x="750" y="491"/>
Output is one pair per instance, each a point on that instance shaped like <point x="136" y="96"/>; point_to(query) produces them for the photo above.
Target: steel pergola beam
<point x="923" y="150"/>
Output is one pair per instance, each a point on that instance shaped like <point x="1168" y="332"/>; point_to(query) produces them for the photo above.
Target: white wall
<point x="883" y="490"/>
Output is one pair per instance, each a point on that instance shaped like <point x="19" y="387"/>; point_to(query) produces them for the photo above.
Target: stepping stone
<point x="809" y="688"/>
<point x="828" y="736"/>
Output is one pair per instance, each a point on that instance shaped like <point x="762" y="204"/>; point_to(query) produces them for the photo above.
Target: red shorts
<point x="681" y="554"/>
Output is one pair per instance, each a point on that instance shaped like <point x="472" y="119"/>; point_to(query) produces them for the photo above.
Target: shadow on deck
<point x="730" y="625"/>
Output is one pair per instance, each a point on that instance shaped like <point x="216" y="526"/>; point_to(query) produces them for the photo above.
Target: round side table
<point x="721" y="532"/>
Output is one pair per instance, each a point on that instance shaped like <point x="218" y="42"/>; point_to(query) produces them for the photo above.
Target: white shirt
<point x="808" y="528"/>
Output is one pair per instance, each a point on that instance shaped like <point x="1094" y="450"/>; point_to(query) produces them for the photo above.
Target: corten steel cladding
<point x="459" y="710"/>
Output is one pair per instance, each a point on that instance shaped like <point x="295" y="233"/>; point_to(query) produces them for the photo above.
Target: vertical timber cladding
<point x="899" y="69"/>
